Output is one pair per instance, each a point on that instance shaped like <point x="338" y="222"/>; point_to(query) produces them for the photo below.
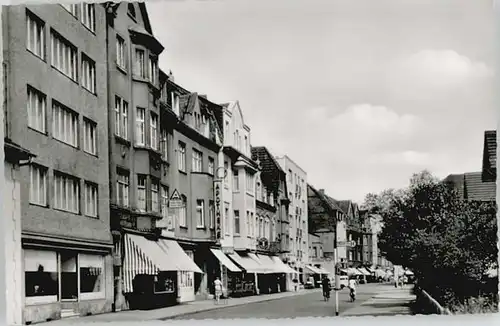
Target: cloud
<point x="408" y="157"/>
<point x="440" y="68"/>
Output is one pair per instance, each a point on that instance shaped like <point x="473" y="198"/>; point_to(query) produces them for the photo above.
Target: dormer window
<point x="175" y="103"/>
<point x="131" y="10"/>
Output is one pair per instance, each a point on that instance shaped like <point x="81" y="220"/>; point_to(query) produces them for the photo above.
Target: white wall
<point x="11" y="216"/>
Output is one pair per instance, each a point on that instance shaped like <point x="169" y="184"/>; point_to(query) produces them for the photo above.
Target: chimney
<point x="171" y="76"/>
<point x="322" y="191"/>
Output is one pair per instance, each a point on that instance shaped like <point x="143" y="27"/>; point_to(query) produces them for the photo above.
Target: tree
<point x="448" y="243"/>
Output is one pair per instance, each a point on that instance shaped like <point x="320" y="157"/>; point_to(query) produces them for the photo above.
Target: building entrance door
<point x="69" y="284"/>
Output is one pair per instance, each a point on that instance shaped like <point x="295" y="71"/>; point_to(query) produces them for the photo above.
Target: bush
<point x="479" y="305"/>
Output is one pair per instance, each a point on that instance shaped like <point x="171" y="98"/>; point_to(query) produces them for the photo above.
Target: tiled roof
<point x="270" y="169"/>
<point x="344" y="205"/>
<point x="490" y="155"/>
<point x="476" y="189"/>
<point x="470" y="186"/>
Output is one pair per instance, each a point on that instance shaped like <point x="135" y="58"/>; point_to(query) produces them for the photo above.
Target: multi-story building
<point x="272" y="212"/>
<point x="150" y="267"/>
<point x="354" y="233"/>
<point x="64" y="193"/>
<point x="328" y="222"/>
<point x="297" y="193"/>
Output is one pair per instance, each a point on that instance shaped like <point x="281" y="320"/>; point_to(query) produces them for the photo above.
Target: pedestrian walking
<point x="352" y="288"/>
<point x="218" y="290"/>
<point x="325" y="283"/>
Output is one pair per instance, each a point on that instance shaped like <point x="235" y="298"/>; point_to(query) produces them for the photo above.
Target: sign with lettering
<point x="218" y="215"/>
<point x="175" y="200"/>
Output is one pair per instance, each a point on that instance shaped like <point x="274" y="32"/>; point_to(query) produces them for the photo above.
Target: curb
<point x="226" y="306"/>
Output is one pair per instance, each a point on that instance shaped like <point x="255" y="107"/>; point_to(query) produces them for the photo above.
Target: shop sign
<point x="175" y="200"/>
<point x="218" y="219"/>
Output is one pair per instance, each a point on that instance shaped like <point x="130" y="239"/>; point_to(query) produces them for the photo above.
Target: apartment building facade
<point x="297" y="193"/>
<point x="64" y="206"/>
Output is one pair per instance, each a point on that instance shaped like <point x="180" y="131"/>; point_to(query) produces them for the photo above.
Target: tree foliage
<point x="449" y="244"/>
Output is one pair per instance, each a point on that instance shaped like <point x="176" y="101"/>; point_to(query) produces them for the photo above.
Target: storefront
<point x="230" y="273"/>
<point x="156" y="273"/>
<point x="249" y="282"/>
<point x="63" y="282"/>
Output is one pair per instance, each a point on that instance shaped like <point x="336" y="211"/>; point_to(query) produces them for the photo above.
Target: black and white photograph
<point x="177" y="160"/>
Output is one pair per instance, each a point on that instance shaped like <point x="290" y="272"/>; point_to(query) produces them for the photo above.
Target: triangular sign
<point x="175" y="195"/>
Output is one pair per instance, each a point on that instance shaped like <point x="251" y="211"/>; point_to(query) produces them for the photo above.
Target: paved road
<point x="305" y="305"/>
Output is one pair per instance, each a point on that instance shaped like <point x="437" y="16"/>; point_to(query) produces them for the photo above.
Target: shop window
<point x="186" y="279"/>
<point x="91" y="276"/>
<point x="163" y="283"/>
<point x="41" y="277"/>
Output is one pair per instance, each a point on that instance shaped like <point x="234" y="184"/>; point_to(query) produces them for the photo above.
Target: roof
<point x="490" y="155"/>
<point x="470" y="186"/>
<point x="476" y="189"/>
<point x="344" y="205"/>
<point x="270" y="169"/>
<point x="332" y="203"/>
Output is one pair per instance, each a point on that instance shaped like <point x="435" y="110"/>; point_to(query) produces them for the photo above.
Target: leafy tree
<point x="449" y="244"/>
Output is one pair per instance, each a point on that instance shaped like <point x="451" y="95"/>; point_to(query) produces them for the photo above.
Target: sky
<point x="360" y="93"/>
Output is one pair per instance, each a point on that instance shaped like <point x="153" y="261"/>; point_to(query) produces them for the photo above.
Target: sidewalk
<point x="390" y="302"/>
<point x="176" y="311"/>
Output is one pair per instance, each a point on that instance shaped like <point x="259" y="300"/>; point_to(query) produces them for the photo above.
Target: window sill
<point x="33" y="301"/>
<point x="183" y="172"/>
<point x="92" y="296"/>
<point x="36" y="55"/>
<point x="45" y="133"/>
<point x="64" y="74"/>
<point x="40" y="205"/>
<point x="184" y="227"/>
<point x="89" y="29"/>
<point x="91" y="154"/>
<point x="65" y="211"/>
<point x="89" y="91"/>
<point x="121" y="69"/>
<point x="121" y="140"/>
<point x="65" y="143"/>
<point x="201" y="228"/>
<point x="96" y="217"/>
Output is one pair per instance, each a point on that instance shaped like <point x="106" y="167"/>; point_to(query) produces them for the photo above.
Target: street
<point x="307" y="305"/>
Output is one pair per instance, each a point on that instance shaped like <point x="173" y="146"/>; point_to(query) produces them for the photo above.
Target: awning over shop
<point x="270" y="264"/>
<point x="344" y="271"/>
<point x="353" y="271"/>
<point x="364" y="271"/>
<point x="178" y="257"/>
<point x="313" y="269"/>
<point x="322" y="270"/>
<point x="247" y="263"/>
<point x="282" y="266"/>
<point x="225" y="261"/>
<point x="369" y="269"/>
<point x="143" y="256"/>
<point x="264" y="266"/>
<point x="380" y="273"/>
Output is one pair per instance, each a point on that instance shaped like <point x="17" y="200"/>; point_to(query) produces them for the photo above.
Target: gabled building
<point x="273" y="204"/>
<point x="354" y="233"/>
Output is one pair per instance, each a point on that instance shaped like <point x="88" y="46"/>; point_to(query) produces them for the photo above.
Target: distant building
<point x="354" y="233"/>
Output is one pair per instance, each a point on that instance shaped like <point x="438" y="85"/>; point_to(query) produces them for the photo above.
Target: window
<point x="226" y="169"/>
<point x="90" y="199"/>
<point x="35" y="35"/>
<point x="211" y="213"/>
<point x="197" y="161"/>
<point x="164" y="201"/>
<point x="175" y="103"/>
<point x="236" y="222"/>
<point x="153" y="70"/>
<point x="164" y="144"/>
<point x="88" y="15"/>
<point x="38" y="185"/>
<point x="250" y="181"/>
<point x="122" y="186"/>
<point x="182" y="212"/>
<point x="155" y="188"/>
<point x="120" y="51"/>
<point x="36" y="109"/>
<point x="71" y="8"/>
<point x="141" y="193"/>
<point x="91" y="276"/>
<point x="154" y="131"/>
<point x="258" y="191"/>
<point x="66" y="193"/>
<point x="246" y="145"/>
<point x="163" y="283"/>
<point x="40" y="276"/>
<point x="181" y="156"/>
<point x="89" y="137"/>
<point x="140" y="126"/>
<point x="186" y="279"/>
<point x="88" y="74"/>
<point x="64" y="124"/>
<point x="227" y="225"/>
<point x="273" y="234"/>
<point x="64" y="55"/>
<point x="211" y="165"/>
<point x="139" y="63"/>
<point x="248" y="224"/>
<point x="200" y="213"/>
<point x="236" y="180"/>
<point x="121" y="117"/>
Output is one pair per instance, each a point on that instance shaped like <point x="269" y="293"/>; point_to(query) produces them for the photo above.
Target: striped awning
<point x="282" y="266"/>
<point x="224" y="260"/>
<point x="247" y="263"/>
<point x="312" y="269"/>
<point x="143" y="256"/>
<point x="364" y="271"/>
